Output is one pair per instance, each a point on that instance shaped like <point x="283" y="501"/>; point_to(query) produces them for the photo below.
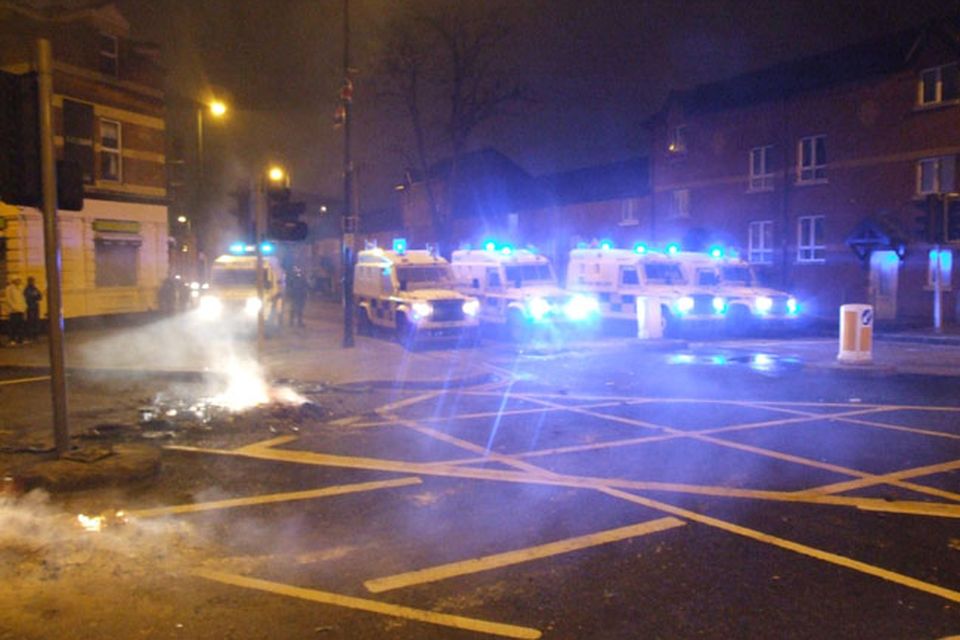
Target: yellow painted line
<point x="24" y="380"/>
<point x="897" y="427"/>
<point x="399" y="404"/>
<point x="812" y="552"/>
<point x="267" y="444"/>
<point x="498" y="560"/>
<point x="890" y="478"/>
<point x="310" y="494"/>
<point x="371" y="606"/>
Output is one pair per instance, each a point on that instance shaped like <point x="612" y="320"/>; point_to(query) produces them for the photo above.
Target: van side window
<point x="628" y="276"/>
<point x="386" y="282"/>
<point x="493" y="279"/>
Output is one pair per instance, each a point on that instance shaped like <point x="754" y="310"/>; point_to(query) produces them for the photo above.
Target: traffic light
<point x="929" y="224"/>
<point x="20" y="174"/>
<point x="283" y="216"/>
<point x="952" y="222"/>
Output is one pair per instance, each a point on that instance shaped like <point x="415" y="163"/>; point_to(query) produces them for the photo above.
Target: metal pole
<point x="199" y="148"/>
<point x="349" y="221"/>
<point x="937" y="291"/>
<point x="58" y="386"/>
<point x="259" y="208"/>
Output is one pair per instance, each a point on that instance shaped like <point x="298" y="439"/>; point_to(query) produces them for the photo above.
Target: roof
<point x="613" y="181"/>
<point x="497" y="257"/>
<point x="871" y="58"/>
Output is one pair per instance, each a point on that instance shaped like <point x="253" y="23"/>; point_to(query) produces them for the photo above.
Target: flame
<point x="93" y="524"/>
<point x="247" y="388"/>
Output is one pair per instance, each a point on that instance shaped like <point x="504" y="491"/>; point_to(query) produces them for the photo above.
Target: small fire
<point x="92" y="524"/>
<point x="247" y="388"/>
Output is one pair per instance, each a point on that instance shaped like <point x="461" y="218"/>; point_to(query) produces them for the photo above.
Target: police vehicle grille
<point x="703" y="304"/>
<point x="447" y="310"/>
<point x="779" y="306"/>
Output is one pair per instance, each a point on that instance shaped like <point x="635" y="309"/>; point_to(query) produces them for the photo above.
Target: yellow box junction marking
<point x="498" y="560"/>
<point x="372" y="606"/>
<point x="249" y="501"/>
<point x="24" y="380"/>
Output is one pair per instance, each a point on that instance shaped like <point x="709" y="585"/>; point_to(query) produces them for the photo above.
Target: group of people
<point x="22" y="306"/>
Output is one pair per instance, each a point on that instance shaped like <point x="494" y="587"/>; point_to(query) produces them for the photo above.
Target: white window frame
<point x="942" y="171"/>
<point x="112" y="54"/>
<point x="758" y="252"/>
<point x="680" y="204"/>
<point x="117" y="152"/>
<point x="628" y="213"/>
<point x="946" y="269"/>
<point x="936" y="76"/>
<point x="761" y="180"/>
<point x="816" y="170"/>
<point x="808" y="249"/>
<point x="678" y="140"/>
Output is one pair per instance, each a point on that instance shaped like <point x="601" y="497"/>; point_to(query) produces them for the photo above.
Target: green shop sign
<point x="116" y="226"/>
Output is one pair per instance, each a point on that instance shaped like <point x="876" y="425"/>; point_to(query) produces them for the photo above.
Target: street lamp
<point x="217" y="110"/>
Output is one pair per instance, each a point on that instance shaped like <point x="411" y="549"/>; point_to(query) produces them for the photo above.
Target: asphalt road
<point x="613" y="492"/>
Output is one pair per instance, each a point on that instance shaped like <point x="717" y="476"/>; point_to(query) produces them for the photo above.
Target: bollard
<point x="856" y="333"/>
<point x="649" y="318"/>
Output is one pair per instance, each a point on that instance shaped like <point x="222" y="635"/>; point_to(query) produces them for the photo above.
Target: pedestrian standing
<point x="16" y="308"/>
<point x="297" y="296"/>
<point x="32" y="296"/>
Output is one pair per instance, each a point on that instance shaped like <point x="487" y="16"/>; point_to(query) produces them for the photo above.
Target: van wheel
<point x="364" y="326"/>
<point x="517" y="328"/>
<point x="406" y="332"/>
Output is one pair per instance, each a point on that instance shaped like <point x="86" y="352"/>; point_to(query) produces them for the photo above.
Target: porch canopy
<point x="877" y="233"/>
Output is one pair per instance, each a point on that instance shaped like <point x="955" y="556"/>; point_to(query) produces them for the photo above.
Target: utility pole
<point x="48" y="168"/>
<point x="260" y="197"/>
<point x="349" y="217"/>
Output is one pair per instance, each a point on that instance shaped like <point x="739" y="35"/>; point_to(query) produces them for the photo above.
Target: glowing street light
<point x="276" y="174"/>
<point x="218" y="108"/>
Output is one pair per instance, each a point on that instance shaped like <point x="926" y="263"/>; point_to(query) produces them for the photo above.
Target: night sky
<point x="595" y="70"/>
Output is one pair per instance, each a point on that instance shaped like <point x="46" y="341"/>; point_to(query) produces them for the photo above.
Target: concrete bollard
<point x="649" y="318"/>
<point x="856" y="333"/>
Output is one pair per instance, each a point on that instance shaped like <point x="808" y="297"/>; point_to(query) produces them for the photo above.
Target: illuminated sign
<point x="3" y="224"/>
<point x="116" y="226"/>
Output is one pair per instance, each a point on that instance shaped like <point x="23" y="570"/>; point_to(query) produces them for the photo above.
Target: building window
<point x="761" y="169"/>
<point x="936" y="175"/>
<point x="810" y="243"/>
<point x="812" y="159"/>
<point x="946" y="269"/>
<point x="678" y="140"/>
<point x="78" y="124"/>
<point x="110" y="167"/>
<point x="109" y="55"/>
<point x="760" y="242"/>
<point x="116" y="263"/>
<point x="939" y="84"/>
<point x="628" y="213"/>
<point x="680" y="205"/>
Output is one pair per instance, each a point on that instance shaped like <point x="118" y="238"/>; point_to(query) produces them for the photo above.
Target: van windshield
<point x="237" y="278"/>
<point x="521" y="273"/>
<point x="663" y="273"/>
<point x="425" y="277"/>
<point x="738" y="275"/>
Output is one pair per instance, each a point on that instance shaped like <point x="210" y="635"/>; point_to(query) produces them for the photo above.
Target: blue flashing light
<point x="639" y="248"/>
<point x="606" y="245"/>
<point x="716" y="252"/>
<point x="237" y="248"/>
<point x="490" y="246"/>
<point x="400" y="245"/>
<point x="673" y="248"/>
<point x="266" y="247"/>
<point x="582" y="245"/>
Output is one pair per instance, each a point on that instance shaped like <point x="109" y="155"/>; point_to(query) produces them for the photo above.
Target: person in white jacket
<point x="16" y="310"/>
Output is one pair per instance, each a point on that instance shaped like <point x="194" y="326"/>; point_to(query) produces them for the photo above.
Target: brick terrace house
<point x="109" y="116"/>
<point x="797" y="163"/>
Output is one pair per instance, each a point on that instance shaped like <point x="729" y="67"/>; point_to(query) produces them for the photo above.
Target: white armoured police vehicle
<point x="619" y="277"/>
<point x="232" y="293"/>
<point x="412" y="294"/>
<point x="518" y="290"/>
<point x="748" y="302"/>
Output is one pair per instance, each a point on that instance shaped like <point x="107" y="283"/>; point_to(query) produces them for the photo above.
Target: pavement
<point x="315" y="353"/>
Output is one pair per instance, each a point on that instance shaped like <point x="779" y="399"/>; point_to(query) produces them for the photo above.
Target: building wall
<point x="875" y="134"/>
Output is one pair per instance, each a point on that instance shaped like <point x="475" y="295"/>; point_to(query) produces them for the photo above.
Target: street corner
<point x="90" y="467"/>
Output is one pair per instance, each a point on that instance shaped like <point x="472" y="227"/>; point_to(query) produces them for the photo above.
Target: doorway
<point x="884" y="275"/>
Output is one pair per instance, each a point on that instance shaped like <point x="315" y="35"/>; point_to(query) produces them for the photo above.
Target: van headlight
<point x="421" y="310"/>
<point x="538" y="308"/>
<point x="719" y="305"/>
<point x="684" y="304"/>
<point x="793" y="307"/>
<point x="252" y="306"/>
<point x="581" y="307"/>
<point x="471" y="308"/>
<point x="210" y="308"/>
<point x="764" y="304"/>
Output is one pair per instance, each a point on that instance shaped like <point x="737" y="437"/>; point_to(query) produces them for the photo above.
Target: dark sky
<point x="595" y="68"/>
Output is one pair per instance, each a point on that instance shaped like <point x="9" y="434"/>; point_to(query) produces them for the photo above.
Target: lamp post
<point x="216" y="109"/>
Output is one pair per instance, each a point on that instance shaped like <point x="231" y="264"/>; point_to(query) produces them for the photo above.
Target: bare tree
<point x="443" y="68"/>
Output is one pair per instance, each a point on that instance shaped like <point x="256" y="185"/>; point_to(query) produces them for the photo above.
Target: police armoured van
<point x="518" y="290"/>
<point x="748" y="302"/>
<point x="412" y="294"/>
<point x="621" y="277"/>
<point x="232" y="294"/>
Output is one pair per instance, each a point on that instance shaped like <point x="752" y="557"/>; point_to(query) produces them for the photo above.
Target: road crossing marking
<point x="249" y="501"/>
<point x="23" y="380"/>
<point x="267" y="444"/>
<point x="499" y="560"/>
<point x="371" y="606"/>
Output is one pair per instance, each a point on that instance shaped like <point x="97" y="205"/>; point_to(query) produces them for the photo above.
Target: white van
<point x="411" y="294"/>
<point x="518" y="290"/>
<point x="232" y="292"/>
<point x="618" y="277"/>
<point x="748" y="301"/>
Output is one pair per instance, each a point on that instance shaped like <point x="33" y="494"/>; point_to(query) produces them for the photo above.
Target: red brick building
<point x="797" y="164"/>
